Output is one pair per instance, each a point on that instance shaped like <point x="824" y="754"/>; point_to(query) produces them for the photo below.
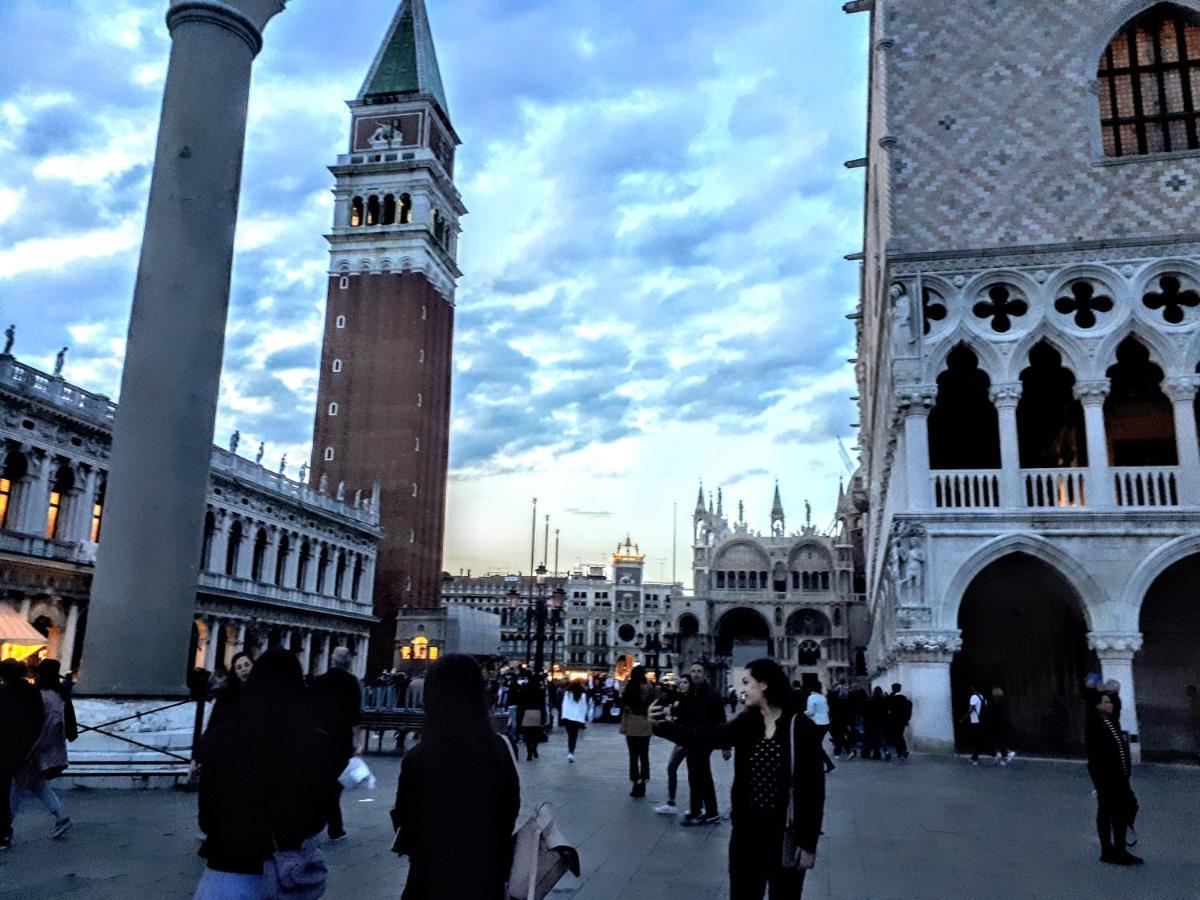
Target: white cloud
<point x="55" y="253"/>
<point x="10" y="202"/>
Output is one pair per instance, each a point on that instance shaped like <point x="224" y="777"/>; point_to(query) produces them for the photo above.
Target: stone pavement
<point x="933" y="827"/>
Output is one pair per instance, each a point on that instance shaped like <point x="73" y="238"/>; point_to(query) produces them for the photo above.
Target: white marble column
<point x="1090" y="395"/>
<point x="923" y="666"/>
<point x="239" y="644"/>
<point x="1116" y="650"/>
<point x="326" y="649"/>
<point x="913" y="404"/>
<point x="219" y="548"/>
<point x="306" y="651"/>
<point x="324" y="585"/>
<point x="162" y="436"/>
<point x="1182" y="392"/>
<point x="245" y="552"/>
<point x="310" y="574"/>
<point x="213" y="625"/>
<point x="274" y="540"/>
<point x="66" y="652"/>
<point x="291" y="564"/>
<point x="1005" y="397"/>
<point x="347" y="576"/>
<point x="35" y="497"/>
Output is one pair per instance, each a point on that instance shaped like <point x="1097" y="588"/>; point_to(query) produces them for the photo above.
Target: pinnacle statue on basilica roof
<point x="406" y="64"/>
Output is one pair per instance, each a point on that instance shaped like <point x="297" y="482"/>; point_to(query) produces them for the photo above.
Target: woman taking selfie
<point x="778" y="796"/>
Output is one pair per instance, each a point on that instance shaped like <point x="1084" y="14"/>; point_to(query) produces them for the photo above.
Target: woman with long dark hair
<point x="635" y="725"/>
<point x="778" y="796"/>
<point x="531" y="716"/>
<point x="264" y="776"/>
<point x="573" y="716"/>
<point x="459" y="792"/>
<point x="230" y="693"/>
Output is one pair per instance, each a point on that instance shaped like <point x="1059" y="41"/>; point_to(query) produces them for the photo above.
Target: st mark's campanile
<point x="383" y="404"/>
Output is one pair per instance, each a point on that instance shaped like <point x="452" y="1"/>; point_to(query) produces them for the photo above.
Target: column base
<point x="105" y="761"/>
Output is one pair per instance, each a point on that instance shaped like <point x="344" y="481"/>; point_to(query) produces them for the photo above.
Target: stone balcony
<point x="1048" y="490"/>
<point x="32" y="545"/>
<point x="272" y="594"/>
<point x="95" y="408"/>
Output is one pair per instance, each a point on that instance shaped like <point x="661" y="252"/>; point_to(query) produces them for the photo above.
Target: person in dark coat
<point x="264" y="778"/>
<point x="531" y="716"/>
<point x="875" y="716"/>
<point x="459" y="792"/>
<point x="769" y="774"/>
<point x="1110" y="766"/>
<point x="335" y="706"/>
<point x="899" y="714"/>
<point x="701" y="708"/>
<point x="999" y="727"/>
<point x="21" y="717"/>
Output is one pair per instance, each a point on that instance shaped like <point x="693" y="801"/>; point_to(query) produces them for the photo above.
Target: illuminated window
<point x="5" y="494"/>
<point x="337" y="365"/>
<point x="339" y="322"/>
<point x="1149" y="80"/>
<point x="97" y="518"/>
<point x="52" y="515"/>
<point x="373" y="210"/>
<point x="405" y="209"/>
<point x="420" y="647"/>
<point x="356" y="212"/>
<point x="406" y="652"/>
<point x="434" y="653"/>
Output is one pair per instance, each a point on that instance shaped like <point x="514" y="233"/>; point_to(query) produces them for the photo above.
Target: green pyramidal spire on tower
<point x="407" y="62"/>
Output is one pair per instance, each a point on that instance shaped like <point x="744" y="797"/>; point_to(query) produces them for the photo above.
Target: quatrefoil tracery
<point x="933" y="308"/>
<point x="1083" y="304"/>
<point x="1172" y="299"/>
<point x="1001" y="308"/>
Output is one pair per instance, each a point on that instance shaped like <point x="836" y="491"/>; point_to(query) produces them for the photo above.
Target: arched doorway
<point x="742" y="631"/>
<point x="1024" y="631"/>
<point x="1166" y="672"/>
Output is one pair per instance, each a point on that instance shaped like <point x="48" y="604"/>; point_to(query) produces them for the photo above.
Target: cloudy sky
<point x="654" y="291"/>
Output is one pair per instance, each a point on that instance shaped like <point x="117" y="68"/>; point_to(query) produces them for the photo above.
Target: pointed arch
<point x="989" y="360"/>
<point x="1091" y="593"/>
<point x="1126" y="612"/>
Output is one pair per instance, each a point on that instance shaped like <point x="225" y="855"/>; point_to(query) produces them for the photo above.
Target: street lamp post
<point x="557" y="601"/>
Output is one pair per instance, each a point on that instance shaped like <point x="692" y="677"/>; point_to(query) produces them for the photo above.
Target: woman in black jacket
<point x="768" y="774"/>
<point x="459" y="792"/>
<point x="531" y="716"/>
<point x="1109" y="764"/>
<point x="263" y="779"/>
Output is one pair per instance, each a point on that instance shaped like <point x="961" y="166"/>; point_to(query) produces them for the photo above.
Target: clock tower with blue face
<point x="383" y="402"/>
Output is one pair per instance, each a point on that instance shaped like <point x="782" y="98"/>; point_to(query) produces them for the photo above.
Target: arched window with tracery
<point x="964" y="430"/>
<point x="1149" y="81"/>
<point x="1050" y="430"/>
<point x="1138" y="418"/>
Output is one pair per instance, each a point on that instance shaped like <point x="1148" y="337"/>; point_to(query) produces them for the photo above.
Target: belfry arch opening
<point x="1166" y="671"/>
<point x="1138" y="418"/>
<point x="1050" y="429"/>
<point x="1024" y="632"/>
<point x="964" y="431"/>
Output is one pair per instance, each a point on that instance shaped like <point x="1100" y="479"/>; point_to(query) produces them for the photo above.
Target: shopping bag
<point x="541" y="856"/>
<point x="357" y="775"/>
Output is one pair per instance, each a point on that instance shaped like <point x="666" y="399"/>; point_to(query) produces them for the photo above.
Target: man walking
<point x="974" y="723"/>
<point x="899" y="715"/>
<point x="336" y="708"/>
<point x="20" y="726"/>
<point x="701" y="708"/>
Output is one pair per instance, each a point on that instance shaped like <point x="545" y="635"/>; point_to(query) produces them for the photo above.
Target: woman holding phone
<point x="778" y="796"/>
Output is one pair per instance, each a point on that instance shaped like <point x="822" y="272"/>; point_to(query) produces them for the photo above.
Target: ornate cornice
<point x="933" y="646"/>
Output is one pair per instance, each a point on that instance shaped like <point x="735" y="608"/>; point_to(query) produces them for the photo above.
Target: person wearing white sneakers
<point x="574" y="716"/>
<point x="678" y="754"/>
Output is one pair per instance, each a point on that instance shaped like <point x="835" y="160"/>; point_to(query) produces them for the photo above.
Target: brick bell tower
<point x="383" y="404"/>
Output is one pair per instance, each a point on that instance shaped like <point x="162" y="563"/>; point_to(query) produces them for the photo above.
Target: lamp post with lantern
<point x="536" y="618"/>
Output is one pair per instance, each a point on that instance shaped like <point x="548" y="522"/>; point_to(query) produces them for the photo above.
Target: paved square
<point x="933" y="827"/>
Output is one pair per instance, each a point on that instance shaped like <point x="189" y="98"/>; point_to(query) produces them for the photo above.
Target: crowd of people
<point x="36" y="722"/>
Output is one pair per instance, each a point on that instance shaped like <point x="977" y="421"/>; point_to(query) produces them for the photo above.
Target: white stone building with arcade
<point x="280" y="563"/>
<point x="1028" y="359"/>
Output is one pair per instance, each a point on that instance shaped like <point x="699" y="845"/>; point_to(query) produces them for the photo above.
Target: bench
<point x="404" y="722"/>
<point x="126" y="768"/>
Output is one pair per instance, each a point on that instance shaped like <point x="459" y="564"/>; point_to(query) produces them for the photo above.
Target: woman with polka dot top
<point x="769" y="776"/>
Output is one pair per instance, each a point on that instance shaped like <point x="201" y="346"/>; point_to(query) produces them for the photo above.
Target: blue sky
<point x="654" y="289"/>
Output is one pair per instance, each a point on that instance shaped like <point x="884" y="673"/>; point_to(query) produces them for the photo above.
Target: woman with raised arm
<point x="459" y="792"/>
<point x="778" y="796"/>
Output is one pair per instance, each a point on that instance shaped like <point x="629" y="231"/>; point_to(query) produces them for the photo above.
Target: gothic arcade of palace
<point x="1028" y="358"/>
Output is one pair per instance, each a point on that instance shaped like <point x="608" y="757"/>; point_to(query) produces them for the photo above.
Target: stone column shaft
<point x="914" y="407"/>
<point x="1115" y="652"/>
<point x="66" y="651"/>
<point x="1006" y="397"/>
<point x="210" y="644"/>
<point x="1091" y="396"/>
<point x="162" y="437"/>
<point x="326" y="641"/>
<point x="220" y="544"/>
<point x="1182" y="391"/>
